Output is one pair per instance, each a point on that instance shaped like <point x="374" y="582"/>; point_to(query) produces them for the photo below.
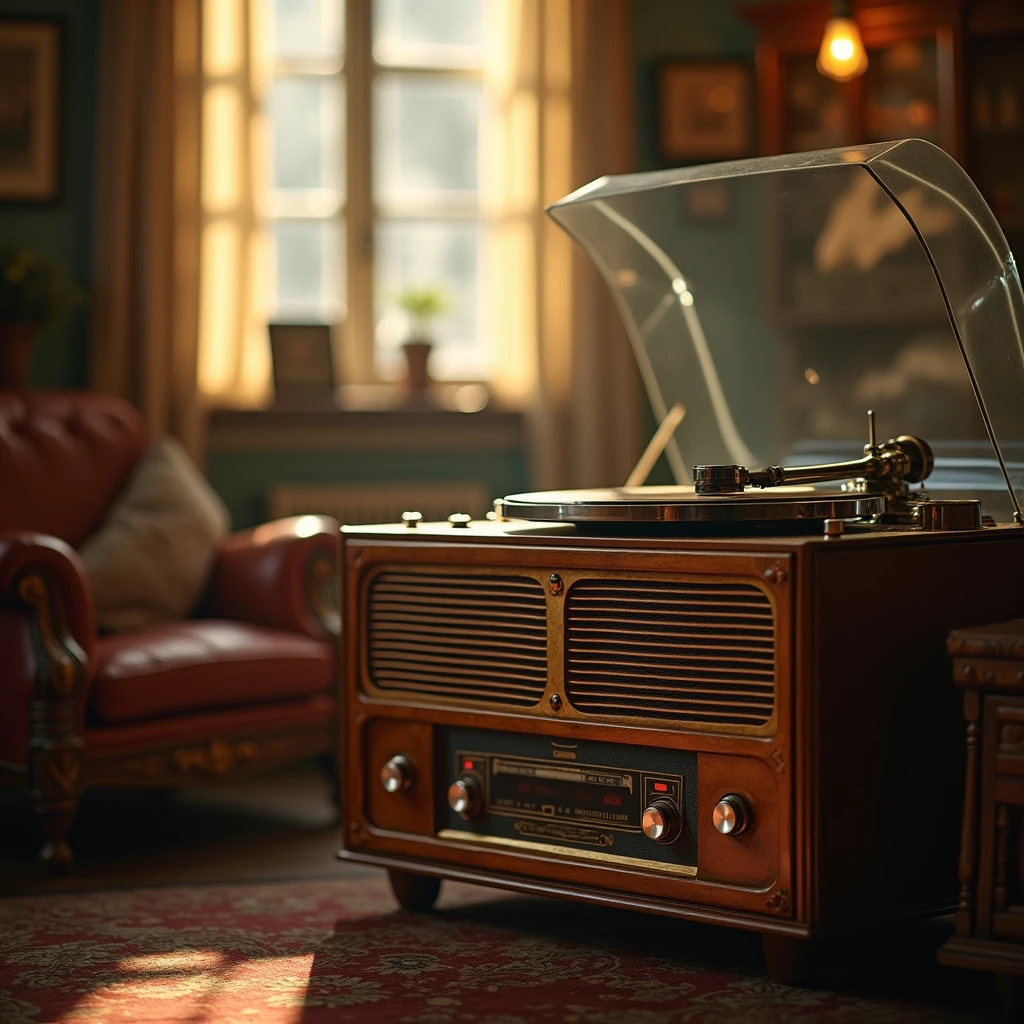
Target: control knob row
<point x="661" y="820"/>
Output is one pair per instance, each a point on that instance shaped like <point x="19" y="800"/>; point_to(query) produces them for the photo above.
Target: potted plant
<point x="422" y="305"/>
<point x="35" y="291"/>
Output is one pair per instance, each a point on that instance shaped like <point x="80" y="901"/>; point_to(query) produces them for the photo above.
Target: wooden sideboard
<point x="988" y="663"/>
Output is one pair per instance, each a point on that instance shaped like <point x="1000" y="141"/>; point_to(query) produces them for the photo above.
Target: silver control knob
<point x="398" y="774"/>
<point x="464" y="797"/>
<point x="731" y="815"/>
<point x="662" y="821"/>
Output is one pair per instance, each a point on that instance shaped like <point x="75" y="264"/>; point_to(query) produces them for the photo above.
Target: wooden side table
<point x="988" y="662"/>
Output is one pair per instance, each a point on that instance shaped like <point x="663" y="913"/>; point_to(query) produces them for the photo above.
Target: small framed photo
<point x="303" y="360"/>
<point x="30" y="93"/>
<point x="705" y="110"/>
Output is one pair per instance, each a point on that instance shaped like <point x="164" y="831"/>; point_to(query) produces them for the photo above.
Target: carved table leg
<point x="415" y="893"/>
<point x="790" y="960"/>
<point x="969" y="832"/>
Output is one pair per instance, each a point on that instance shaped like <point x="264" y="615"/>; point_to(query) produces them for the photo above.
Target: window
<point x="375" y="120"/>
<point x="351" y="148"/>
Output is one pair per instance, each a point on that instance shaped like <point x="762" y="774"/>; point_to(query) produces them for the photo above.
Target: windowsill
<point x="365" y="427"/>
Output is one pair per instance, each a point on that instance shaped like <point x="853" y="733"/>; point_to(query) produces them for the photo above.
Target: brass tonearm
<point x="887" y="468"/>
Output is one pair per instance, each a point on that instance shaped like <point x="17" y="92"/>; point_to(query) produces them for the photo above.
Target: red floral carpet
<point x="313" y="952"/>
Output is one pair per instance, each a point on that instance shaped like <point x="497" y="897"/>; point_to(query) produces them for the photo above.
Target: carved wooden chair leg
<point x="56" y="786"/>
<point x="415" y="893"/>
<point x="791" y="961"/>
<point x="55" y="819"/>
<point x="55" y="751"/>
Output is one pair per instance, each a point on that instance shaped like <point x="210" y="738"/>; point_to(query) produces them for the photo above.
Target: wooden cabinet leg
<point x="790" y="960"/>
<point x="415" y="893"/>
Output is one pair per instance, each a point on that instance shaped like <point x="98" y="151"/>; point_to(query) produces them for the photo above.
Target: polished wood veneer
<point x="854" y="780"/>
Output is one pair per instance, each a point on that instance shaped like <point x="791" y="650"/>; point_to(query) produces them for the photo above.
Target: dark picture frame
<point x="31" y="63"/>
<point x="303" y="362"/>
<point x="705" y="110"/>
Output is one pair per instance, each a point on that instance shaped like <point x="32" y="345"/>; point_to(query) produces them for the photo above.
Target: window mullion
<point x="357" y="350"/>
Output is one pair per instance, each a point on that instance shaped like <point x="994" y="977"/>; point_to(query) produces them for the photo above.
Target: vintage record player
<point x="723" y="699"/>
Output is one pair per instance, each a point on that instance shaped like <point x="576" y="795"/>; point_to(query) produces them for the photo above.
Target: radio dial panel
<point x="583" y="799"/>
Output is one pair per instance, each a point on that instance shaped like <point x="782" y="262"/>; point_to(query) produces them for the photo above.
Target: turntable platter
<point x="683" y="505"/>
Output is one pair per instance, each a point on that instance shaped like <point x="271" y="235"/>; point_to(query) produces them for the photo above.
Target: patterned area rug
<point x="313" y="952"/>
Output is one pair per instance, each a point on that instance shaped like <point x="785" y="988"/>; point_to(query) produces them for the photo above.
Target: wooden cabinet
<point x="949" y="71"/>
<point x="989" y="665"/>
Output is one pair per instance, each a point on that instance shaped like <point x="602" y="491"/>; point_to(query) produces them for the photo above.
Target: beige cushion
<point x="150" y="559"/>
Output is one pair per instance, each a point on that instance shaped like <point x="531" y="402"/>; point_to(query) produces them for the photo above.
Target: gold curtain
<point x="145" y="280"/>
<point x="562" y="82"/>
<point x="236" y="286"/>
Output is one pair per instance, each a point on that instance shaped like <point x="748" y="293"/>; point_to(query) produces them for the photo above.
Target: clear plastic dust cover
<point x="778" y="299"/>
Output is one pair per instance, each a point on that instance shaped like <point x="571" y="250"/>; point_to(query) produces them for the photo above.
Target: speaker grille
<point x="478" y="638"/>
<point x="688" y="652"/>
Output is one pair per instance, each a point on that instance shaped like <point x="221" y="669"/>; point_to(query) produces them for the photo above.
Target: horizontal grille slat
<point x="677" y="651"/>
<point x="458" y="635"/>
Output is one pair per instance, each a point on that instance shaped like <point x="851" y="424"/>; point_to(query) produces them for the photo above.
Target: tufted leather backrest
<point x="64" y="457"/>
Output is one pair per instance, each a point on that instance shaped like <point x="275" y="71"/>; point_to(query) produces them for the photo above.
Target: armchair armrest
<point x="25" y="557"/>
<point x="282" y="574"/>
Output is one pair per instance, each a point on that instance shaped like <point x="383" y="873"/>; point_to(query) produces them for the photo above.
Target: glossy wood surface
<point x="751" y="858"/>
<point x="408" y="810"/>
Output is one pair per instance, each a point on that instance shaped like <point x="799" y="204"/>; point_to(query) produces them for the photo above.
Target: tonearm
<point x="886" y="468"/>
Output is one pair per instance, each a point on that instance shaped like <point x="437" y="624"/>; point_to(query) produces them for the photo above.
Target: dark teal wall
<point x="667" y="29"/>
<point x="64" y="229"/>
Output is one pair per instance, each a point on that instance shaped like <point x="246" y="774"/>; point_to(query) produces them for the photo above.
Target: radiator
<point x="355" y="504"/>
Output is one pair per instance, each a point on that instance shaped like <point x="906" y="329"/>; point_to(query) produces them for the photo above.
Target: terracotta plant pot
<point x="15" y="351"/>
<point x="417" y="361"/>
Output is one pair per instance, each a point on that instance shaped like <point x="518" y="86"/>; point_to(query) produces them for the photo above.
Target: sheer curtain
<point x="145" y="278"/>
<point x="558" y="74"/>
<point x="562" y="77"/>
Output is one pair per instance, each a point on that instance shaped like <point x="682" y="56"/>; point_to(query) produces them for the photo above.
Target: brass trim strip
<point x="684" y="870"/>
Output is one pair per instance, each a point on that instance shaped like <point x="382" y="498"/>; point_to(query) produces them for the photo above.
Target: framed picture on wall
<point x="303" y="361"/>
<point x="30" y="88"/>
<point x="705" y="110"/>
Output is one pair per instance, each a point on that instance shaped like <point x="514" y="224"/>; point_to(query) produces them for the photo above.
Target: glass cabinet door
<point x="995" y="111"/>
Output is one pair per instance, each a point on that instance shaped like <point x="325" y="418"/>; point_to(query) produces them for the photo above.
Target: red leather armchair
<point x="248" y="684"/>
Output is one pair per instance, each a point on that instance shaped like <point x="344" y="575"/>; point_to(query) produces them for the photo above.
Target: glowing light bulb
<point x="842" y="55"/>
<point x="841" y="48"/>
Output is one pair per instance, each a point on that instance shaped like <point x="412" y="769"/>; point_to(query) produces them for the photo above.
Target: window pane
<point x="307" y="28"/>
<point x="426" y="138"/>
<point x="435" y="33"/>
<point x="306" y="127"/>
<point x="308" y="270"/>
<point x="429" y="254"/>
